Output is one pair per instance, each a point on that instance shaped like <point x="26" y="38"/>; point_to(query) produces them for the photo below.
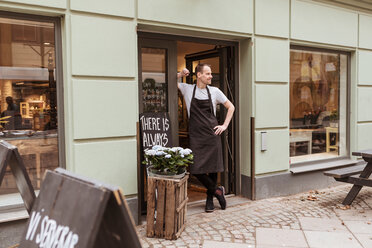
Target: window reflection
<point x="28" y="102"/>
<point x="317" y="105"/>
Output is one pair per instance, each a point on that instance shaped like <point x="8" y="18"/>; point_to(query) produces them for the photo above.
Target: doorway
<point x="160" y="58"/>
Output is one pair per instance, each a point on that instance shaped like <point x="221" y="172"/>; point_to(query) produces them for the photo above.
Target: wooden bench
<point x="345" y="172"/>
<point x="358" y="175"/>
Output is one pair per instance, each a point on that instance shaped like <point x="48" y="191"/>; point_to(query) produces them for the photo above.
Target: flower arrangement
<point x="168" y="160"/>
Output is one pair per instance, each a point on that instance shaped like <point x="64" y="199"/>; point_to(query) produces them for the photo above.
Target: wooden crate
<point x="166" y="207"/>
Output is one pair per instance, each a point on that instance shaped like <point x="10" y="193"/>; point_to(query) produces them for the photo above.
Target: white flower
<point x="150" y="152"/>
<point x="157" y="147"/>
<point x="174" y="149"/>
<point x="168" y="156"/>
<point x="182" y="155"/>
<point x="184" y="152"/>
<point x="160" y="153"/>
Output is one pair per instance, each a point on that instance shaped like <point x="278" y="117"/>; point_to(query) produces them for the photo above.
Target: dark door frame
<point x="163" y="38"/>
<point x="170" y="66"/>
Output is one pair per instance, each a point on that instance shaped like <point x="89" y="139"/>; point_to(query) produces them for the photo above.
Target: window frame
<point x="323" y="162"/>
<point x="59" y="94"/>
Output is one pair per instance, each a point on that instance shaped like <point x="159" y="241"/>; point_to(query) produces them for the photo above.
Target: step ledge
<point x="323" y="166"/>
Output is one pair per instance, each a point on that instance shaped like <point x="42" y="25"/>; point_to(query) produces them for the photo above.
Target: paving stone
<point x="360" y="227"/>
<point x="214" y="244"/>
<point x="280" y="237"/>
<point x="354" y="214"/>
<point x="365" y="239"/>
<point x="318" y="239"/>
<point x="322" y="224"/>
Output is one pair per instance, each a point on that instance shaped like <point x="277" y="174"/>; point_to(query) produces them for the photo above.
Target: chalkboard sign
<point x="9" y="156"/>
<point x="72" y="211"/>
<point x="155" y="130"/>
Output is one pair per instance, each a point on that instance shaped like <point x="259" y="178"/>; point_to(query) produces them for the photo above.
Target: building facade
<point x="80" y="72"/>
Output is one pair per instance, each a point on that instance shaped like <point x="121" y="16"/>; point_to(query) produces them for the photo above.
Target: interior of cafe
<point x="28" y="103"/>
<point x="317" y="105"/>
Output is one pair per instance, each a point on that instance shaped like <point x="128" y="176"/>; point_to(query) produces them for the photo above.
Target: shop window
<point x="28" y="100"/>
<point x="318" y="104"/>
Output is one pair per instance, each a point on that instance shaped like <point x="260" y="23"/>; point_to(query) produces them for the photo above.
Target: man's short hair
<point x="200" y="68"/>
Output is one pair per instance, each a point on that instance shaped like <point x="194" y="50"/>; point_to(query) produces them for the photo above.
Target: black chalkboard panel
<point x="155" y="130"/>
<point x="73" y="211"/>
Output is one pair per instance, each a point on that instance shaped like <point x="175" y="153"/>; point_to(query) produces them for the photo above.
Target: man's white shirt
<point x="217" y="96"/>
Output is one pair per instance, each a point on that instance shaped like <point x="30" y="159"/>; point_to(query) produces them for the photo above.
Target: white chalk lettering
<point x="62" y="238"/>
<point x="150" y="123"/>
<point x="165" y="124"/>
<point x="39" y="237"/>
<point x="160" y="139"/>
<point x="54" y="240"/>
<point x="51" y="234"/>
<point x="34" y="222"/>
<point x="165" y="140"/>
<point x="145" y="141"/>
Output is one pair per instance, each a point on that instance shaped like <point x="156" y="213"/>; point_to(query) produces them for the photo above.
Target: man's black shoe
<point x="209" y="206"/>
<point x="220" y="195"/>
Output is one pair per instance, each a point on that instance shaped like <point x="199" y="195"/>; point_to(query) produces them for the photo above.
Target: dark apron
<point x="205" y="145"/>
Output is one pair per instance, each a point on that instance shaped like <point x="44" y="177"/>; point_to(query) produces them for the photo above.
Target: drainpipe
<point x="253" y="171"/>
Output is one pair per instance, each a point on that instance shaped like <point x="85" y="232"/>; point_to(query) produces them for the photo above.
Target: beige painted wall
<point x="272" y="17"/>
<point x="112" y="161"/>
<point x="364" y="67"/>
<point x="272" y="104"/>
<point x="104" y="108"/>
<point x="365" y="104"/>
<point x="320" y="23"/>
<point x="364" y="136"/>
<point x="271" y="92"/>
<point x="210" y="14"/>
<point x="43" y="3"/>
<point x="365" y="34"/>
<point x="246" y="99"/>
<point x="271" y="60"/>
<point x="111" y="53"/>
<point x="124" y="8"/>
<point x="276" y="157"/>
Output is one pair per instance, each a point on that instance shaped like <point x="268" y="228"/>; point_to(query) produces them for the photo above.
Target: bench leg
<point x="352" y="194"/>
<point x="356" y="188"/>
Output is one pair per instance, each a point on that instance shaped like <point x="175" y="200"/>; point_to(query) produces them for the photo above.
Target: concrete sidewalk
<point x="311" y="219"/>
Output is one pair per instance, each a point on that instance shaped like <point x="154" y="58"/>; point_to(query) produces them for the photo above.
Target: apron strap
<point x="210" y="100"/>
<point x="193" y="93"/>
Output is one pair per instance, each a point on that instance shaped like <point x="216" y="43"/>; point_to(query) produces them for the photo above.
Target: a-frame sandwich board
<point x="9" y="156"/>
<point x="72" y="211"/>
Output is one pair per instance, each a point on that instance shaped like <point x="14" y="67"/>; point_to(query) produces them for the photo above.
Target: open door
<point x="159" y="59"/>
<point x="157" y="90"/>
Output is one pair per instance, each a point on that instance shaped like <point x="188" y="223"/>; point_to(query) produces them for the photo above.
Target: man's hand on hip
<point x="219" y="129"/>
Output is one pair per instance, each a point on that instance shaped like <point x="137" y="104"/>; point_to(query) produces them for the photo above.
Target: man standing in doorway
<point x="204" y="132"/>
